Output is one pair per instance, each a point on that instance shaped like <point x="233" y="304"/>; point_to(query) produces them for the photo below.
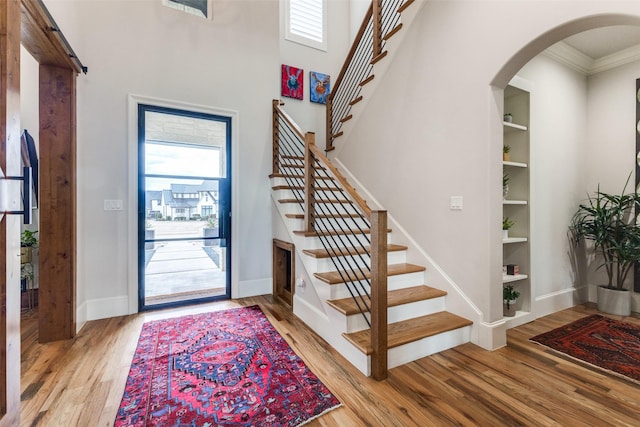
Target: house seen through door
<point x="184" y="205"/>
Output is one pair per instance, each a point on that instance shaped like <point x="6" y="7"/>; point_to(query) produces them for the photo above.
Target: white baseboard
<point x="555" y="301"/>
<point x="81" y="316"/>
<point x="491" y="336"/>
<point x="103" y="308"/>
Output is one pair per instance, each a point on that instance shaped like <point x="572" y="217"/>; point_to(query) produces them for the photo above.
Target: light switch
<point x="455" y="203"/>
<point x="113" y="205"/>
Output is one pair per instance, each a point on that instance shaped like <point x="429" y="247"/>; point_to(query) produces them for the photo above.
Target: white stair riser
<point x="323" y="265"/>
<point x="314" y="242"/>
<point x="393" y="283"/>
<point x="427" y="346"/>
<point x="356" y="322"/>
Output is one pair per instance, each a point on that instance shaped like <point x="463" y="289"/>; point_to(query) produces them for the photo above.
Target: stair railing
<point x="381" y="21"/>
<point x="352" y="234"/>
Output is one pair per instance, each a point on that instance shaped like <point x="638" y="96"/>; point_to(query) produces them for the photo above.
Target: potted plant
<point x="506" y="225"/>
<point x="28" y="241"/>
<point x="509" y="297"/>
<point x="608" y="221"/>
<point x="505" y="152"/>
<point x="505" y="185"/>
<point x="508" y="118"/>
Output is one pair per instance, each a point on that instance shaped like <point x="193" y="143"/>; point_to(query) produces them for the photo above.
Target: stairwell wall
<point x="433" y="127"/>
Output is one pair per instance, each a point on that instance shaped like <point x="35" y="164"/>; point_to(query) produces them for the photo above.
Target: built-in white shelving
<point x="513" y="278"/>
<point x="513" y="127"/>
<point x="514" y="240"/>
<point x="516" y="166"/>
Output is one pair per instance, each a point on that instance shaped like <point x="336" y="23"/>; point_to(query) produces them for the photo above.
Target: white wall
<point x="432" y="130"/>
<point x="147" y="49"/>
<point x="558" y="174"/>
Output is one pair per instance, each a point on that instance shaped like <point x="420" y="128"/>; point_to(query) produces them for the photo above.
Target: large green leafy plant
<point x="609" y="221"/>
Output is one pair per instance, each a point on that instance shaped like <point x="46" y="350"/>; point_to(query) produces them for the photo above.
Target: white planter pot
<point x="613" y="301"/>
<point x="505" y="234"/>
<point x="509" y="311"/>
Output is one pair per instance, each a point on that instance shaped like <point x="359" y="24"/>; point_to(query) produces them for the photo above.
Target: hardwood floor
<point x="80" y="382"/>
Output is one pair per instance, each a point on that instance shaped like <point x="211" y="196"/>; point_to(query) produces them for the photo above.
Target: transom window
<point x="306" y="22"/>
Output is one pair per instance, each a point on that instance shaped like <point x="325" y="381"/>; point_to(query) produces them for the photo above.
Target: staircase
<point x="365" y="299"/>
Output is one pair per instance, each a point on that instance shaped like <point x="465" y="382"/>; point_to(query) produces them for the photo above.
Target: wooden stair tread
<point x="323" y="253"/>
<point x="333" y="277"/>
<point x="411" y="330"/>
<point x="334" y="232"/>
<point x="348" y="306"/>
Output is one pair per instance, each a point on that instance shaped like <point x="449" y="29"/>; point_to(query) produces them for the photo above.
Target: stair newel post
<point x="275" y="129"/>
<point x="377" y="27"/>
<point x="309" y="181"/>
<point x="379" y="294"/>
<point x="329" y="124"/>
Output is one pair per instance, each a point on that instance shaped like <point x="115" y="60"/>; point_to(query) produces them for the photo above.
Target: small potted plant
<point x="506" y="225"/>
<point x="508" y="118"/>
<point x="505" y="152"/>
<point x="509" y="297"/>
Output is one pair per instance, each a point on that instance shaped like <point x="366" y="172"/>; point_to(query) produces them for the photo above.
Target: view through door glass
<point x="184" y="241"/>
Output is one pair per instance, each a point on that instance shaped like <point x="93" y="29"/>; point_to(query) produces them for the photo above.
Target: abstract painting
<point x="292" y="82"/>
<point x="319" y="87"/>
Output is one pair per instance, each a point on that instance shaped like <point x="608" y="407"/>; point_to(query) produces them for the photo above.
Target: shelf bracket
<point x="26" y="194"/>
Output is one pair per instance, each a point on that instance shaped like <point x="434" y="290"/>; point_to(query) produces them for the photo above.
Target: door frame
<point x="132" y="197"/>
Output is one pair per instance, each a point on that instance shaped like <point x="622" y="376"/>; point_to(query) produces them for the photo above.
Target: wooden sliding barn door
<point x="10" y="224"/>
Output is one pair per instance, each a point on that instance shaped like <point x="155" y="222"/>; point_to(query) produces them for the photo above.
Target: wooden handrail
<point x="341" y="179"/>
<point x="314" y="162"/>
<point x="289" y="120"/>
<point x="352" y="51"/>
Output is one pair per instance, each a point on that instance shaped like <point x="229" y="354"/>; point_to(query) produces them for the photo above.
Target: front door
<point x="184" y="234"/>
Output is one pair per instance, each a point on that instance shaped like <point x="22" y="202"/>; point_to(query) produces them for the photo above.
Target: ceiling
<point x="600" y="49"/>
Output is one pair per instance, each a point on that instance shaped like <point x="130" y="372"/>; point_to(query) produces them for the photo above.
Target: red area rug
<point x="226" y="368"/>
<point x="606" y="343"/>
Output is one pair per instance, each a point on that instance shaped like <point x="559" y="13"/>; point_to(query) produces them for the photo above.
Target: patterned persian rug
<point x="606" y="343"/>
<point x="226" y="368"/>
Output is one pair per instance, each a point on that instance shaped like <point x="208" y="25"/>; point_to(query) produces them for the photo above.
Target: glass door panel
<point x="186" y="208"/>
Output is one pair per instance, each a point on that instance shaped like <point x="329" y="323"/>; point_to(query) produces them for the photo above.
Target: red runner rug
<point x="609" y="344"/>
<point x="226" y="368"/>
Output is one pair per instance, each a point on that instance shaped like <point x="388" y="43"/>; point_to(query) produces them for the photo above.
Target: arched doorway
<point x="573" y="176"/>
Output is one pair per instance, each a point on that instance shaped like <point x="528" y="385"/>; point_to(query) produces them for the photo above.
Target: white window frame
<point x="297" y="38"/>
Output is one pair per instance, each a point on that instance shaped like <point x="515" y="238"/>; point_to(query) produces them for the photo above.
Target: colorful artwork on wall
<point x="319" y="87"/>
<point x="292" y="82"/>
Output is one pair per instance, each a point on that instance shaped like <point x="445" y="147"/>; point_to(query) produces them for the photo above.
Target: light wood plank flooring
<point x="80" y="382"/>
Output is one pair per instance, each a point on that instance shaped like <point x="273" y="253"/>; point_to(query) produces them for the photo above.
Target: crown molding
<point x="571" y="57"/>
<point x="586" y="65"/>
<point x="617" y="59"/>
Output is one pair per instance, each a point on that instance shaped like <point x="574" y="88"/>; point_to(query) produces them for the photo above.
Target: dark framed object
<point x="284" y="272"/>
<point x="30" y="159"/>
<point x="201" y="8"/>
<point x="636" y="268"/>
